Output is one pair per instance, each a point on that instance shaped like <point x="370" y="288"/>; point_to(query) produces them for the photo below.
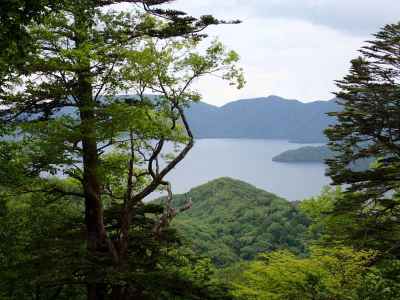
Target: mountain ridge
<point x="232" y="220"/>
<point x="271" y="117"/>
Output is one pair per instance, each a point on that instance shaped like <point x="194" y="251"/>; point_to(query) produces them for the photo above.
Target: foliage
<point x="62" y="116"/>
<point x="332" y="229"/>
<point x="319" y="210"/>
<point x="40" y="241"/>
<point x="332" y="273"/>
<point x="15" y="41"/>
<point x="231" y="220"/>
<point x="17" y="15"/>
<point x="42" y="245"/>
<point x="382" y="281"/>
<point x="368" y="128"/>
<point x="330" y="226"/>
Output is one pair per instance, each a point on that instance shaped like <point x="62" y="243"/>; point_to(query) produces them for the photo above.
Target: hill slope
<point x="232" y="220"/>
<point x="262" y="118"/>
<point x="305" y="154"/>
<point x="318" y="155"/>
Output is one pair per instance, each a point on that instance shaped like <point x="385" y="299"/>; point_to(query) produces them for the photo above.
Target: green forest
<point x="231" y="221"/>
<point x="305" y="154"/>
<point x="79" y="161"/>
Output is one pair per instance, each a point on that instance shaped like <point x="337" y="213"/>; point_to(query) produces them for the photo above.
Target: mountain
<point x="272" y="117"/>
<point x="305" y="154"/>
<point x="319" y="155"/>
<point x="232" y="220"/>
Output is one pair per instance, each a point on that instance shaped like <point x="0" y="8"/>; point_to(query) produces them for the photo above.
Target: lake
<point x="250" y="161"/>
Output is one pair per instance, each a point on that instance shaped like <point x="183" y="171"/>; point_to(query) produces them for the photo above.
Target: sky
<point x="295" y="49"/>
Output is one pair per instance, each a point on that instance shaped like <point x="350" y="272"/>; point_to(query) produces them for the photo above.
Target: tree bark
<point x="96" y="234"/>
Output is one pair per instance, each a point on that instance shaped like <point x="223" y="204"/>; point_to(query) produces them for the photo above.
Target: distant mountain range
<point x="272" y="117"/>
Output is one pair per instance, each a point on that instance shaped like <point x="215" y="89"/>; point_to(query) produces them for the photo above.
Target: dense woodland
<point x="232" y="221"/>
<point x="78" y="162"/>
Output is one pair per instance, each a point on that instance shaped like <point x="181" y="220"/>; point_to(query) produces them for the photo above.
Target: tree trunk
<point x="96" y="234"/>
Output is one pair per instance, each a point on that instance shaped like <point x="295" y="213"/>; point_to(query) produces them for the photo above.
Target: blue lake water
<point x="250" y="161"/>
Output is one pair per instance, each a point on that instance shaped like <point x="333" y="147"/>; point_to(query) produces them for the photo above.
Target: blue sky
<point x="291" y="48"/>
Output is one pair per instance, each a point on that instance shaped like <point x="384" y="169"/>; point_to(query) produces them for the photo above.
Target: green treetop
<point x="62" y="115"/>
<point x="368" y="127"/>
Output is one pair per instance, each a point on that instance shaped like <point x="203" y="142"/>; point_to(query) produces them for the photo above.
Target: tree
<point x="40" y="245"/>
<point x="329" y="273"/>
<point x="63" y="116"/>
<point x="43" y="253"/>
<point x="16" y="15"/>
<point x="332" y="230"/>
<point x="368" y="127"/>
<point x="325" y="227"/>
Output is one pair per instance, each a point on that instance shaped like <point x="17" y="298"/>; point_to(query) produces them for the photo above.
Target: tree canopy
<point x="64" y="115"/>
<point x="368" y="127"/>
<point x="231" y="221"/>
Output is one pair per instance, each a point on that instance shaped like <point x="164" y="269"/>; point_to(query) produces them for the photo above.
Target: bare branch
<point x="169" y="212"/>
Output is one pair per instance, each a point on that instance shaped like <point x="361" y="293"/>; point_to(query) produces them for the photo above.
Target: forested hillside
<point x="319" y="154"/>
<point x="231" y="220"/>
<point x="80" y="159"/>
<point x="272" y="117"/>
<point x="305" y="154"/>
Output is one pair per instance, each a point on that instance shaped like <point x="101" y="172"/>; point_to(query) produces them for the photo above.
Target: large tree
<point x="63" y="114"/>
<point x="16" y="41"/>
<point x="368" y="128"/>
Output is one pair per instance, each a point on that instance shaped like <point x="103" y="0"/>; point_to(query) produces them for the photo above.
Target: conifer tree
<point x="368" y="128"/>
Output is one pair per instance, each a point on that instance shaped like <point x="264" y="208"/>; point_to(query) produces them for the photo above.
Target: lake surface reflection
<point x="250" y="161"/>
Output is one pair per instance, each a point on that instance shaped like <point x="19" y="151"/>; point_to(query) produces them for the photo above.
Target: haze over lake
<point x="251" y="161"/>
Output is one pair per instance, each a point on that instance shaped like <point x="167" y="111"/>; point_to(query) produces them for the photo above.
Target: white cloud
<point x="291" y="48"/>
<point x="289" y="58"/>
<point x="353" y="16"/>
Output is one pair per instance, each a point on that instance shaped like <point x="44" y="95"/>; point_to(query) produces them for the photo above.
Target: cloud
<point x="291" y="48"/>
<point x="359" y="17"/>
<point x="293" y="59"/>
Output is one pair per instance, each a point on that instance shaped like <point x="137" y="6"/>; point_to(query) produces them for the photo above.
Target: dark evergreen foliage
<point x="369" y="128"/>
